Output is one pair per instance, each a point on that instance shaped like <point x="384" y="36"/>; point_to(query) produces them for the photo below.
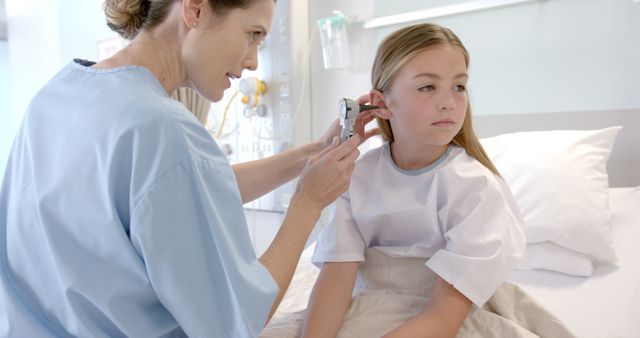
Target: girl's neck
<point x="414" y="156"/>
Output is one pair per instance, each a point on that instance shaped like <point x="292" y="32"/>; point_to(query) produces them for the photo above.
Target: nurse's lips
<point x="231" y="76"/>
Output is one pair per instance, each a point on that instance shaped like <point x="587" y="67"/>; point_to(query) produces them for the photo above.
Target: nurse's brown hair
<point x="129" y="17"/>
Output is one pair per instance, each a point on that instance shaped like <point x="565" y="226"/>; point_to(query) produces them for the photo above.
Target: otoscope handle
<point x="349" y="110"/>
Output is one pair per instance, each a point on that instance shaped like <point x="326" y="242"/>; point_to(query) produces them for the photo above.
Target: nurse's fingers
<point x="363" y="99"/>
<point x="364" y="118"/>
<point x="345" y="148"/>
<point x="361" y="121"/>
<point x="324" y="178"/>
<point x="326" y="150"/>
<point x="372" y="132"/>
<point x="350" y="159"/>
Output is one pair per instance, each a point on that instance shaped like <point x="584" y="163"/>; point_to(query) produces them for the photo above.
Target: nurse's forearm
<point x="281" y="258"/>
<point x="256" y="178"/>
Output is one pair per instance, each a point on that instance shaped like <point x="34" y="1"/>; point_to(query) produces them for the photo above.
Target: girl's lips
<point x="443" y="122"/>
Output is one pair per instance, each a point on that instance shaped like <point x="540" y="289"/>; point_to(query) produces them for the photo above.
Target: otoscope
<point x="349" y="110"/>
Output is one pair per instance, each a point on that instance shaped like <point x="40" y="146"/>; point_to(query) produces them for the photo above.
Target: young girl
<point x="427" y="228"/>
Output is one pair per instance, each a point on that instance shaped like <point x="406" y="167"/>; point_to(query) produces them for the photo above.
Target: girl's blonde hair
<point x="398" y="48"/>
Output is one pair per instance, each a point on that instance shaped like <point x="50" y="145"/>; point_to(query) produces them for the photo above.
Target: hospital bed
<point x="605" y="304"/>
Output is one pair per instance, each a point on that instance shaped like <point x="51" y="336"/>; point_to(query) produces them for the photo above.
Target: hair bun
<point x="126" y="17"/>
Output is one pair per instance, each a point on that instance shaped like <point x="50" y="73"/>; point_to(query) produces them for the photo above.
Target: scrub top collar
<point x="85" y="66"/>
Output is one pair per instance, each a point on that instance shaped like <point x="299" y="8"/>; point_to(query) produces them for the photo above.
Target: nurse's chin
<point x="214" y="95"/>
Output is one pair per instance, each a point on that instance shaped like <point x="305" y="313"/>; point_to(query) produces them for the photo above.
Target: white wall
<point x="43" y="36"/>
<point x="33" y="57"/>
<point x="79" y="34"/>
<point x="34" y="50"/>
<point x="547" y="56"/>
<point x="328" y="86"/>
<point x="544" y="56"/>
<point x="46" y="35"/>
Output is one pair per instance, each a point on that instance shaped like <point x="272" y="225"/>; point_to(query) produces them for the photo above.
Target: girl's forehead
<point x="437" y="57"/>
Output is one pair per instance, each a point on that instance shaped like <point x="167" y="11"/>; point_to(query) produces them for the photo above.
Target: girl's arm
<point x="443" y="317"/>
<point x="330" y="299"/>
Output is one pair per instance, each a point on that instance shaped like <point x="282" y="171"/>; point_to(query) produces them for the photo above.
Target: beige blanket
<point x="382" y="303"/>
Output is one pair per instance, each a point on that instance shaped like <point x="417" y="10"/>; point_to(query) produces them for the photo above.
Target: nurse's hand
<point x="327" y="174"/>
<point x="361" y="121"/>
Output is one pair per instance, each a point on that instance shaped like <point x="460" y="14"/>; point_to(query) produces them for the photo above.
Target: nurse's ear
<point x="192" y="11"/>
<point x="376" y="98"/>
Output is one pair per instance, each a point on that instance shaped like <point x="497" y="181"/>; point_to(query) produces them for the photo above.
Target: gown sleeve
<point x="341" y="241"/>
<point x="190" y="232"/>
<point x="483" y="232"/>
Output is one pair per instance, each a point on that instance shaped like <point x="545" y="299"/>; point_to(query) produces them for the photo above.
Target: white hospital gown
<point x="455" y="214"/>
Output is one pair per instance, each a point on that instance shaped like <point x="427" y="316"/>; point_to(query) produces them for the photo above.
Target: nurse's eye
<point x="254" y="36"/>
<point x="460" y="88"/>
<point x="257" y="38"/>
<point x="427" y="88"/>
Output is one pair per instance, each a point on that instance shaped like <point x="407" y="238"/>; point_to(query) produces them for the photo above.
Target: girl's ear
<point x="376" y="98"/>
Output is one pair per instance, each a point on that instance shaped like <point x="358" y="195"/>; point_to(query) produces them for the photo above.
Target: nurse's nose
<point x="250" y="62"/>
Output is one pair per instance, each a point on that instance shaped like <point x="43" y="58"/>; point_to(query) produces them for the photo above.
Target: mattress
<point x="607" y="304"/>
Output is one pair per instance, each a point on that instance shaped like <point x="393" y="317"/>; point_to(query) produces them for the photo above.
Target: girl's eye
<point x="460" y="88"/>
<point x="427" y="88"/>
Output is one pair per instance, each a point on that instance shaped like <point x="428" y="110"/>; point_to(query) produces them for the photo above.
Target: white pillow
<point x="560" y="183"/>
<point x="551" y="256"/>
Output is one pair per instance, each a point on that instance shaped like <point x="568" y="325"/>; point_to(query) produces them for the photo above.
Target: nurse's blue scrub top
<point x="120" y="216"/>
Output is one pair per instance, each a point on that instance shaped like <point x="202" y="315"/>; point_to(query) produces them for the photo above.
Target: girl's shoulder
<point x="371" y="158"/>
<point x="460" y="161"/>
<point x="462" y="168"/>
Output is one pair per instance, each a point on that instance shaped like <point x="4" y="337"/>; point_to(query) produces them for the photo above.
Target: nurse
<point x="119" y="214"/>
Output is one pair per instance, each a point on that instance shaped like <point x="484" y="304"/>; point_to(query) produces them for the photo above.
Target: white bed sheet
<point x="607" y="304"/>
